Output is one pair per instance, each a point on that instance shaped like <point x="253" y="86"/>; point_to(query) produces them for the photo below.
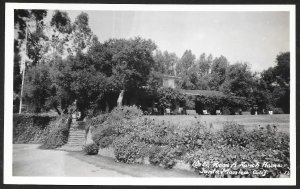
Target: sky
<point x="252" y="37"/>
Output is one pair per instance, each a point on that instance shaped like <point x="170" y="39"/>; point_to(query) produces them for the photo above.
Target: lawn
<point x="282" y="121"/>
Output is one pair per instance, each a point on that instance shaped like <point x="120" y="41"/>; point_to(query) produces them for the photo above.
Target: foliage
<point x="276" y="81"/>
<point x="129" y="62"/>
<point x="277" y="111"/>
<point x="239" y="80"/>
<point x="186" y="61"/>
<point x="109" y="126"/>
<point x="32" y="128"/>
<point x="90" y="149"/>
<point x="59" y="135"/>
<point x="169" y="98"/>
<point x="37" y="87"/>
<point x="165" y="62"/>
<point x="134" y="140"/>
<point x="218" y="72"/>
<point x="127" y="150"/>
<point x="125" y="112"/>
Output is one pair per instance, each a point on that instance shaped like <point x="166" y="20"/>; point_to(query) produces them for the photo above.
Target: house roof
<point x="202" y="92"/>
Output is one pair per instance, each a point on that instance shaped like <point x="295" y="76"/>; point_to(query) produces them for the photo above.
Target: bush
<point x="96" y="121"/>
<point x="234" y="144"/>
<point x="90" y="149"/>
<point x="134" y="139"/>
<point x="164" y="156"/>
<point x="32" y="128"/>
<point x="125" y="112"/>
<point x="277" y="111"/>
<point x="119" y="121"/>
<point x="128" y="150"/>
<point x="59" y="136"/>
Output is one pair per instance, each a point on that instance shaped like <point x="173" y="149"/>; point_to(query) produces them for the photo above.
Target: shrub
<point x="164" y="156"/>
<point x="90" y="149"/>
<point x="277" y="111"/>
<point x="105" y="142"/>
<point x="128" y="150"/>
<point x="120" y="120"/>
<point x="32" y="128"/>
<point x="96" y="121"/>
<point x="134" y="139"/>
<point x="59" y="136"/>
<point x="234" y="144"/>
<point x="125" y="112"/>
<point x="169" y="97"/>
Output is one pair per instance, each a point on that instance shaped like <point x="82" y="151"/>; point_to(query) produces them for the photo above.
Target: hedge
<point x="135" y="137"/>
<point x="32" y="128"/>
<point x="59" y="135"/>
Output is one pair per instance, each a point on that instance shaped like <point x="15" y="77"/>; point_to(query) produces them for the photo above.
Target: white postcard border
<point x="8" y="99"/>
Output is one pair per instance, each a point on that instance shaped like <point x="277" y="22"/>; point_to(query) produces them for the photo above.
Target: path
<point x="29" y="160"/>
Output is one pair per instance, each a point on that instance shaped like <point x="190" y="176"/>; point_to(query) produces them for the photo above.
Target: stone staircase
<point x="76" y="136"/>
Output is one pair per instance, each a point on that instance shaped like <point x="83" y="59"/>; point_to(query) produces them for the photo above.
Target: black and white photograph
<point x="149" y="94"/>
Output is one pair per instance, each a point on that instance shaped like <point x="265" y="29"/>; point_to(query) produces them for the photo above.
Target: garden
<point x="135" y="138"/>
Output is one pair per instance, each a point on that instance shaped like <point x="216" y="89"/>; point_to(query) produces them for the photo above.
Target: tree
<point x="204" y="63"/>
<point x="30" y="40"/>
<point x="218" y="72"/>
<point x="82" y="35"/>
<point x="238" y="80"/>
<point x="37" y="87"/>
<point x="79" y="80"/>
<point x="186" y="61"/>
<point x="277" y="81"/>
<point x="185" y="70"/>
<point x="131" y="62"/>
<point x="165" y="62"/>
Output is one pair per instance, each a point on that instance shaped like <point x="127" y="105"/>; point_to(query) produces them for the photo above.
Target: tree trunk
<point x="120" y="99"/>
<point x="57" y="110"/>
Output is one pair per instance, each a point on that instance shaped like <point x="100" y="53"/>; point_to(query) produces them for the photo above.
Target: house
<point x="170" y="81"/>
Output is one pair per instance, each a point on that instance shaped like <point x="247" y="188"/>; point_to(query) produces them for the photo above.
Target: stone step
<point x="76" y="139"/>
<point x="77" y="130"/>
<point x="81" y="132"/>
<point x="73" y="134"/>
<point x="80" y="136"/>
<point x="77" y="133"/>
<point x="75" y="143"/>
<point x="70" y="137"/>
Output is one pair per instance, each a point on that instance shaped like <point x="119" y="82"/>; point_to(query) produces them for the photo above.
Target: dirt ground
<point x="29" y="160"/>
<point x="282" y="121"/>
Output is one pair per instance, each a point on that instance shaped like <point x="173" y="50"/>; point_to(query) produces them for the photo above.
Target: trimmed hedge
<point x="32" y="128"/>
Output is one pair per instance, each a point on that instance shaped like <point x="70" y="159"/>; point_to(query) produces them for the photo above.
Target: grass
<point x="282" y="121"/>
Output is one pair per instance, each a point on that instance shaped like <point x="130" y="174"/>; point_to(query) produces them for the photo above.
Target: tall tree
<point x="28" y="43"/>
<point x="184" y="69"/>
<point x="165" y="62"/>
<point x="82" y="35"/>
<point x="218" y="72"/>
<point x="186" y="61"/>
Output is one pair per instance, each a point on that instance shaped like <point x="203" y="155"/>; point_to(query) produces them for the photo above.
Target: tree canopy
<point x="67" y="62"/>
